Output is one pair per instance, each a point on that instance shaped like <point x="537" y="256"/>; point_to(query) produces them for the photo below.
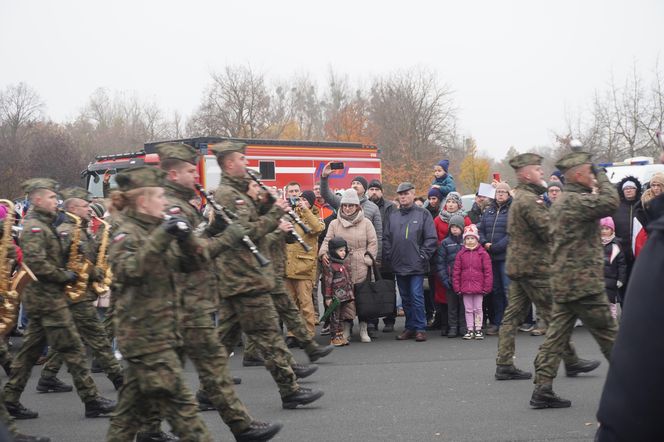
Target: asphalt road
<point x="440" y="390"/>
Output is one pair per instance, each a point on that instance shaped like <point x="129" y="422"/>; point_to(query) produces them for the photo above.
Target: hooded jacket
<point x="625" y="217"/>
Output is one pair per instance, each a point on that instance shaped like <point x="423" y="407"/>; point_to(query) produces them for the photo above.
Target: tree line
<point x="409" y="114"/>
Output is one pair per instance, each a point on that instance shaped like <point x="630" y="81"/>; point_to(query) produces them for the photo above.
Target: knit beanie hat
<point x="457" y="220"/>
<point x="471" y="230"/>
<point x="360" y="179"/>
<point x="560" y="175"/>
<point x="375" y="183"/>
<point x="336" y="243"/>
<point x="98" y="209"/>
<point x="445" y="164"/>
<point x="454" y="196"/>
<point x="434" y="191"/>
<point x="557" y="184"/>
<point x="350" y="197"/>
<point x="607" y="222"/>
<point x="657" y="178"/>
<point x="310" y="196"/>
<point x="629" y="183"/>
<point x="503" y="186"/>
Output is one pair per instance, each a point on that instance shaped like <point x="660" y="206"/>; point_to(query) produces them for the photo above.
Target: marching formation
<point x="193" y="274"/>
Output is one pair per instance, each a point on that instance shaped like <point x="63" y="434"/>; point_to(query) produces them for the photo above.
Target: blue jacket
<point x="445" y="184"/>
<point x="493" y="229"/>
<point x="445" y="256"/>
<point x="409" y="241"/>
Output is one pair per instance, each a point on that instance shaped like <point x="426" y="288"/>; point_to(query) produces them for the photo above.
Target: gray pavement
<point x="440" y="390"/>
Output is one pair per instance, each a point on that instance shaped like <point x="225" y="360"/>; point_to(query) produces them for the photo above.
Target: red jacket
<point x="443" y="228"/>
<point x="472" y="272"/>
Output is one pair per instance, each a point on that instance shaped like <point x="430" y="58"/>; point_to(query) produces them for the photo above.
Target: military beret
<point x="33" y="184"/>
<point x="526" y="159"/>
<point x="572" y="160"/>
<point x="228" y="146"/>
<point x="405" y="187"/>
<point x="137" y="177"/>
<point x="75" y="192"/>
<point x="177" y="151"/>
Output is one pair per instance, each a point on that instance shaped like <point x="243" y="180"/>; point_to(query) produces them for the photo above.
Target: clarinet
<point x="227" y="216"/>
<point x="298" y="238"/>
<point x="290" y="212"/>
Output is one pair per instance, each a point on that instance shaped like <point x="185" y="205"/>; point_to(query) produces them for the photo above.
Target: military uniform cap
<point x="177" y="151"/>
<point x="137" y="177"/>
<point x="404" y="187"/>
<point x="526" y="159"/>
<point x="228" y="146"/>
<point x="572" y="160"/>
<point x="33" y="184"/>
<point x="75" y="192"/>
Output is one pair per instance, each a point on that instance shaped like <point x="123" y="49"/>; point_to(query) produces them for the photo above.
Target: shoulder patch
<point x="64" y="234"/>
<point x="175" y="210"/>
<point x="35" y="230"/>
<point x="119" y="237"/>
<point x="240" y="202"/>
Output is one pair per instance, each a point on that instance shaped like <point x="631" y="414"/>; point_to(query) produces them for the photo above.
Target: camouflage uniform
<point x="198" y="302"/>
<point x="245" y="303"/>
<point x="286" y="308"/>
<point x="578" y="269"/>
<point x="147" y="316"/>
<point x="83" y="311"/>
<point x="528" y="263"/>
<point x="44" y="300"/>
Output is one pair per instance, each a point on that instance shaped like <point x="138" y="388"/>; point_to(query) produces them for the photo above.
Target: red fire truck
<point x="278" y="161"/>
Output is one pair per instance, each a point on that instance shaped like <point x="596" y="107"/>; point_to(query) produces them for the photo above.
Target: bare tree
<point x="20" y="106"/>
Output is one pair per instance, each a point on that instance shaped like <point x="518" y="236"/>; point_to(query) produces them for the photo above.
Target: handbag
<point x="377" y="298"/>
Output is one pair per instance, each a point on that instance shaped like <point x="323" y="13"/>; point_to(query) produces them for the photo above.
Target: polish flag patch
<point x="36" y="230"/>
<point x="119" y="237"/>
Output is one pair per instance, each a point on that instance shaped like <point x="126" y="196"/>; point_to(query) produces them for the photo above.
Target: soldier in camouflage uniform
<point x="245" y="302"/>
<point x="528" y="267"/>
<point x="50" y="318"/>
<point x="578" y="270"/>
<point x="283" y="302"/>
<point x="198" y="299"/>
<point x="147" y="313"/>
<point x="84" y="313"/>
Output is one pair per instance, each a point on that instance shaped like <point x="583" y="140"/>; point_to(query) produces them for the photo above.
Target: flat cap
<point x="76" y="192"/>
<point x="33" y="184"/>
<point x="572" y="160"/>
<point x="526" y="159"/>
<point x="228" y="146"/>
<point x="142" y="176"/>
<point x="405" y="187"/>
<point x="177" y="151"/>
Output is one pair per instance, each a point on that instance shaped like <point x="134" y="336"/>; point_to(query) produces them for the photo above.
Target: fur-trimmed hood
<point x="639" y="187"/>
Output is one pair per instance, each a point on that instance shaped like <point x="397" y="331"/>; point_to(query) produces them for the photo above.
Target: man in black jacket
<point x="630" y="408"/>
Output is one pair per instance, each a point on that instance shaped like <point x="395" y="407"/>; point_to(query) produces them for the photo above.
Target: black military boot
<point x="18" y="411"/>
<point x="18" y="437"/>
<point x="544" y="397"/>
<point x="253" y="361"/>
<point x="95" y="367"/>
<point x="118" y="382"/>
<point x="52" y="385"/>
<point x="258" y="431"/>
<point x="291" y="342"/>
<point x="236" y="380"/>
<point x="99" y="406"/>
<point x="303" y="396"/>
<point x="304" y="371"/>
<point x="204" y="403"/>
<point x="160" y="436"/>
<point x="510" y="372"/>
<point x="319" y="352"/>
<point x="581" y="366"/>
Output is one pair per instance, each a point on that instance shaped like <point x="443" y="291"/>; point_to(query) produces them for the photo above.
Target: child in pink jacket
<point x="473" y="279"/>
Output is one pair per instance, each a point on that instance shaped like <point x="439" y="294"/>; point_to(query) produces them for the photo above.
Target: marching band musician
<point x="44" y="300"/>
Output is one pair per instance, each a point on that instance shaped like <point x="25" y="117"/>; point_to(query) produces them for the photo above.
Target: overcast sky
<point x="515" y="66"/>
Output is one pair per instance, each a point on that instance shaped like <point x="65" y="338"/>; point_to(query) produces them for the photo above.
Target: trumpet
<point x="290" y="212"/>
<point x="227" y="216"/>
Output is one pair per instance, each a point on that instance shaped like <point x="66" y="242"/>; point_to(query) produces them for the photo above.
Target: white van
<point x="642" y="168"/>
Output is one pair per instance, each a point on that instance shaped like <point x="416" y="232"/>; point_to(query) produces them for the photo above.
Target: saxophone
<point x="10" y="298"/>
<point x="102" y="262"/>
<point x="77" y="263"/>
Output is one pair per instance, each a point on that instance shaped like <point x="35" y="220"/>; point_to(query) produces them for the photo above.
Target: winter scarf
<point x="608" y="239"/>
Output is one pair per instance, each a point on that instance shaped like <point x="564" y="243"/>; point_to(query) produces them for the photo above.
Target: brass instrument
<point x="77" y="263"/>
<point x="102" y="262"/>
<point x="10" y="297"/>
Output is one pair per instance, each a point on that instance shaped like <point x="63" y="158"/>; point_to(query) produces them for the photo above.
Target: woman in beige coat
<point x="360" y="235"/>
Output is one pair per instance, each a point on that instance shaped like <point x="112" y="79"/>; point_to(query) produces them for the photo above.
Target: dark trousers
<point x="499" y="295"/>
<point x="456" y="317"/>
